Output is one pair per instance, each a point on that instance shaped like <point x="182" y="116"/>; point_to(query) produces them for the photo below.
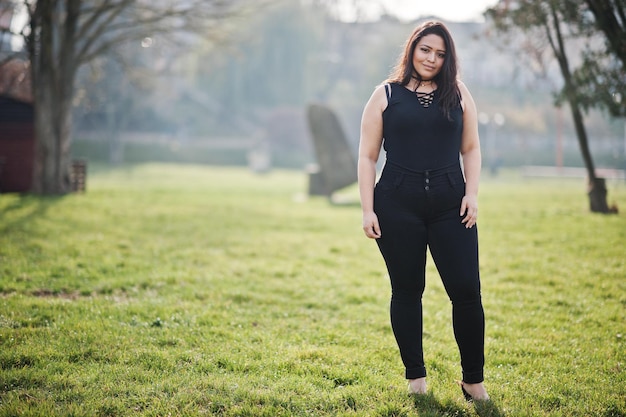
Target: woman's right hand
<point x="370" y="225"/>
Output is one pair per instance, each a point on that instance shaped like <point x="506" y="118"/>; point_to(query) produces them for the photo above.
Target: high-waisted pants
<point x="417" y="210"/>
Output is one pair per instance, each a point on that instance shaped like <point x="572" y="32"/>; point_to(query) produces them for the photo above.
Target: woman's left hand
<point x="469" y="209"/>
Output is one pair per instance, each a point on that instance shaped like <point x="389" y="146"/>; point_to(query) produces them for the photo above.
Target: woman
<point x="425" y="118"/>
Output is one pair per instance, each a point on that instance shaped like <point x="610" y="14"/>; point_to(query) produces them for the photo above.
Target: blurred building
<point x="17" y="137"/>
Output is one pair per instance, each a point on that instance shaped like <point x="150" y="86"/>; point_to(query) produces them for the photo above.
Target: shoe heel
<point x="466" y="394"/>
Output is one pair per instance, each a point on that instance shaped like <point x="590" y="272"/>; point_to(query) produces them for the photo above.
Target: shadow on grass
<point x="23" y="209"/>
<point x="429" y="406"/>
<point x="488" y="409"/>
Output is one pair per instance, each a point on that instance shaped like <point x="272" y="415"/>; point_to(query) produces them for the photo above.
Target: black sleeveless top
<point x="419" y="137"/>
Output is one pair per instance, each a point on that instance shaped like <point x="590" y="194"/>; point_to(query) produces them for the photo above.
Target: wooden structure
<point x="79" y="175"/>
<point x="17" y="132"/>
<point x="17" y="145"/>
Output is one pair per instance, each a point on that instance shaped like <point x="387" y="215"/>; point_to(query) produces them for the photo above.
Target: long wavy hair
<point x="446" y="79"/>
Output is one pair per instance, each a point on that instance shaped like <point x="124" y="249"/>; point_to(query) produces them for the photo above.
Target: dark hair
<point x="446" y="79"/>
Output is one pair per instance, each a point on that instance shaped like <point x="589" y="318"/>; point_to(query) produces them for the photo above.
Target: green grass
<point x="184" y="291"/>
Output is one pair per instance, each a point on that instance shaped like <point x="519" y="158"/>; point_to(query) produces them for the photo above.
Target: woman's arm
<point x="470" y="152"/>
<point x="369" y="148"/>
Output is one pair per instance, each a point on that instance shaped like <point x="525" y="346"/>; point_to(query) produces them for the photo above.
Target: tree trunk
<point x="597" y="196"/>
<point x="52" y="44"/>
<point x="52" y="156"/>
<point x="596" y="186"/>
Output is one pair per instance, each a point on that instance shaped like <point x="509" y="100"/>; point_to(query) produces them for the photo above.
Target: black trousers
<point x="416" y="211"/>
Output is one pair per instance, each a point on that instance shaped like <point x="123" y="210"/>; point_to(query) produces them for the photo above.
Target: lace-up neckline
<point x="425" y="99"/>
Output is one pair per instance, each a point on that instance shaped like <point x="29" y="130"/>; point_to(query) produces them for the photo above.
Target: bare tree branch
<point x="114" y="25"/>
<point x="61" y="35"/>
<point x="111" y="8"/>
<point x="98" y="30"/>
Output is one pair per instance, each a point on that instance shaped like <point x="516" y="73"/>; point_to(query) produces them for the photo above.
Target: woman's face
<point x="429" y="56"/>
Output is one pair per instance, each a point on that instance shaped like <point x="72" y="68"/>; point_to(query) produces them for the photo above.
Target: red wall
<point x="17" y="145"/>
<point x="17" y="152"/>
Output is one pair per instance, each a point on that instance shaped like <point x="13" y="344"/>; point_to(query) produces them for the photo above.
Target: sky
<point x="454" y="10"/>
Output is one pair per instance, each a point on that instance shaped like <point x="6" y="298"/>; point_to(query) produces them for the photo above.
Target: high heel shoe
<point x="420" y="390"/>
<point x="466" y="394"/>
<point x="469" y="397"/>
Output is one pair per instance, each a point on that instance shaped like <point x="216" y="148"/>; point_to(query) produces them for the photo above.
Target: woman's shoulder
<point x="379" y="97"/>
<point x="380" y="90"/>
<point x="394" y="84"/>
<point x="464" y="94"/>
<point x="385" y="88"/>
<point x="391" y="82"/>
<point x="463" y="90"/>
<point x="394" y="90"/>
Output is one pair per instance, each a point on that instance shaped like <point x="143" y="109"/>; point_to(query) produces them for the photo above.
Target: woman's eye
<point x="442" y="55"/>
<point x="424" y="49"/>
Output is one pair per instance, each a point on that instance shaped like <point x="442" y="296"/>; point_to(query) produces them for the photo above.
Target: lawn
<point x="196" y="291"/>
